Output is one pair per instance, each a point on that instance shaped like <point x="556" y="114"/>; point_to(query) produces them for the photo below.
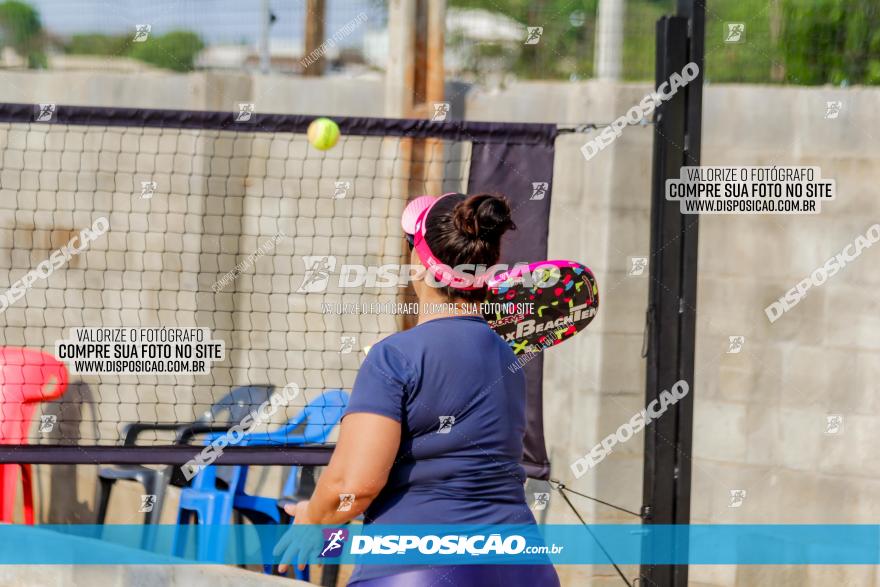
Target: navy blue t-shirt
<point x="462" y="414"/>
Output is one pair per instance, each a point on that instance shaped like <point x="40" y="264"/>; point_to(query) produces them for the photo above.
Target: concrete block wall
<point x="760" y="415"/>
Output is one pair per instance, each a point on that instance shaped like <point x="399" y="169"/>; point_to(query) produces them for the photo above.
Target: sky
<point x="217" y="21"/>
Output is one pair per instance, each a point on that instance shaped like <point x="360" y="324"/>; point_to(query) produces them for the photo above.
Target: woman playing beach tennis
<point x="434" y="430"/>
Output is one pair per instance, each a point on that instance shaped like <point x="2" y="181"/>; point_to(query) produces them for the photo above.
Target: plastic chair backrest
<point x="312" y="425"/>
<point x="323" y="414"/>
<point x="317" y="419"/>
<point x="329" y="408"/>
<point x="232" y="409"/>
<point x="27" y="377"/>
<point x="238" y="403"/>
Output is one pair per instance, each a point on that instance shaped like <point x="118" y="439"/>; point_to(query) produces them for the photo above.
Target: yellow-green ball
<point x="323" y="133"/>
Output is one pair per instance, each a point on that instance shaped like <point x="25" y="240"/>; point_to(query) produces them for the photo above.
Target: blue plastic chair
<point x="224" y="414"/>
<point x="228" y="411"/>
<point x="213" y="505"/>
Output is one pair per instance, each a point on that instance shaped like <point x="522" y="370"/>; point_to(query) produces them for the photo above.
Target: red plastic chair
<point x="27" y="377"/>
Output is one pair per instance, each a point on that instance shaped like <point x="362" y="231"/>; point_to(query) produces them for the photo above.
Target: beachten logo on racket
<point x="565" y="298"/>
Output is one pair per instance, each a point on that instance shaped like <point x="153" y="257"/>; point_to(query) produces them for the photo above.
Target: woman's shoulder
<point x="396" y="340"/>
<point x="435" y="335"/>
<point x="397" y="347"/>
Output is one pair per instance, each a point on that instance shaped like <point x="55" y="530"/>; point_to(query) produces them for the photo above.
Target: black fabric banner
<point x="523" y="173"/>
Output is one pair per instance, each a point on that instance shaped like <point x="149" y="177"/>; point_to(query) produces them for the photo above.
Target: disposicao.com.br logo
<point x="448" y="544"/>
<point x="319" y="272"/>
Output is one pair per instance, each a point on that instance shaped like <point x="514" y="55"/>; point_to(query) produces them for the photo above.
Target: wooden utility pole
<point x="427" y="93"/>
<point x="316" y="15"/>
<point x="414" y="82"/>
<point x="414" y="85"/>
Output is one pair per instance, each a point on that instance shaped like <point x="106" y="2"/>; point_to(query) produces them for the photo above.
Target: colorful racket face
<point x="551" y="301"/>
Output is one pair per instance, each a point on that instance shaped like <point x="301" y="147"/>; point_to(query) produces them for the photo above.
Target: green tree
<point x="98" y="44"/>
<point x="832" y="41"/>
<point x="566" y="48"/>
<point x="176" y="50"/>
<point x="786" y="41"/>
<point x="754" y="57"/>
<point x="22" y="29"/>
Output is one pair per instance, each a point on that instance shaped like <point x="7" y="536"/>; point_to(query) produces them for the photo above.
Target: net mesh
<point x="214" y="229"/>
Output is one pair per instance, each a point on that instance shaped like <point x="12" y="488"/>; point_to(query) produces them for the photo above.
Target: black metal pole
<point x="673" y="286"/>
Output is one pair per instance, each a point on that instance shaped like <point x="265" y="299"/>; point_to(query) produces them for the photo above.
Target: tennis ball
<point x="323" y="133"/>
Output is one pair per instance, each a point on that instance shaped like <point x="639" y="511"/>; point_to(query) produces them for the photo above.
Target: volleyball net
<point x="167" y="268"/>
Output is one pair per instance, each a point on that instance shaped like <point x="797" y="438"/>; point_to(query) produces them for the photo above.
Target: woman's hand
<point x="360" y="464"/>
<point x="299" y="543"/>
<point x="299" y="511"/>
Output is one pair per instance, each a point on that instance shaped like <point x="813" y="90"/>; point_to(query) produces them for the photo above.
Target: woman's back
<point x="461" y="405"/>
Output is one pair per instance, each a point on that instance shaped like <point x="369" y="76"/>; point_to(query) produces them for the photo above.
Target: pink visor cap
<point x="413" y="222"/>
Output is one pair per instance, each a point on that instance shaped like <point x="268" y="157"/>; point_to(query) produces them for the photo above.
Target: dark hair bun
<point x="482" y="216"/>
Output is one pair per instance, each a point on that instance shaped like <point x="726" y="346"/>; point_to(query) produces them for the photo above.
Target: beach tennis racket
<point x="542" y="304"/>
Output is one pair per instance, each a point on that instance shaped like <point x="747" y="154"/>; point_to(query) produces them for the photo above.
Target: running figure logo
<point x="245" y="112"/>
<point x="735" y="32"/>
<point x="441" y="111"/>
<point x="737" y="497"/>
<point x="148" y="188"/>
<point x="341" y="189"/>
<point x="735" y="344"/>
<point x="446" y="423"/>
<point x="833" y="424"/>
<point x="148" y="502"/>
<point x="317" y="273"/>
<point x="347" y="344"/>
<point x="637" y="265"/>
<point x="334" y="541"/>
<point x="47" y="422"/>
<point x="346" y="500"/>
<point x="541" y="501"/>
<point x="539" y="190"/>
<point x="141" y="32"/>
<point x="534" y="35"/>
<point x="44" y="112"/>
<point x="832" y="109"/>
